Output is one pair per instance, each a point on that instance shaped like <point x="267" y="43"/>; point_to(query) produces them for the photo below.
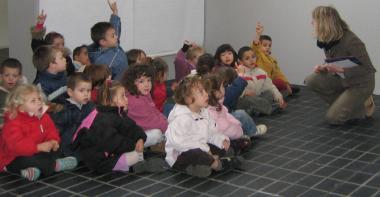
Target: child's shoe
<point x="31" y="174"/>
<point x="200" y="171"/>
<point x="150" y="165"/>
<point x="261" y="130"/>
<point x="66" y="163"/>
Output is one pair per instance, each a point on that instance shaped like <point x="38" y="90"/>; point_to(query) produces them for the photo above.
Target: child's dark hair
<point x="206" y="63"/>
<point x="43" y="56"/>
<point x="214" y="82"/>
<point x="106" y="95"/>
<point x="227" y="74"/>
<point x="78" y="50"/>
<point x="160" y="66"/>
<point x="133" y="73"/>
<point x="75" y="78"/>
<point x="242" y="50"/>
<point x="225" y="48"/>
<point x="184" y="90"/>
<point x="11" y="63"/>
<point x="133" y="55"/>
<point x="265" y="37"/>
<point x="99" y="30"/>
<point x="49" y="38"/>
<point x="97" y="74"/>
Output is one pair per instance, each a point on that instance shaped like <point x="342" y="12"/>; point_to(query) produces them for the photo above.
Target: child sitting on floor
<point x="111" y="141"/>
<point x="29" y="141"/>
<point x="192" y="141"/>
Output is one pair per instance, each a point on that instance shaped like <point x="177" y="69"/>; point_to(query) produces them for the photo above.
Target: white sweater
<point x="260" y="82"/>
<point x="188" y="130"/>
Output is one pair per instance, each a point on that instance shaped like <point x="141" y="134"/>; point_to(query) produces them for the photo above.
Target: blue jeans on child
<point x="247" y="123"/>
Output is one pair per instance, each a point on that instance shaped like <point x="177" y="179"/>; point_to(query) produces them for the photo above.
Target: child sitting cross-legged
<point x="109" y="140"/>
<point x="29" y="141"/>
<point x="193" y="143"/>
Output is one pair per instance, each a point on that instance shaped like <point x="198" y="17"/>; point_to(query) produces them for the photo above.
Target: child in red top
<point x="161" y="89"/>
<point x="29" y="141"/>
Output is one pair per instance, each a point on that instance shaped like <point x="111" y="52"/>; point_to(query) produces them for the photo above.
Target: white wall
<point x="4" y="43"/>
<point x="21" y="16"/>
<point x="289" y="25"/>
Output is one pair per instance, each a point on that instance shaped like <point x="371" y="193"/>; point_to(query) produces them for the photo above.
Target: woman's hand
<point x="332" y="68"/>
<point x="320" y="68"/>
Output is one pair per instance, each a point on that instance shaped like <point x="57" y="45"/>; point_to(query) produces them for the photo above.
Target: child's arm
<point x="215" y="137"/>
<point x="234" y="91"/>
<point x="38" y="31"/>
<point x="132" y="130"/>
<point x="277" y="96"/>
<point x="180" y="63"/>
<point x="115" y="19"/>
<point x="52" y="132"/>
<point x="16" y="142"/>
<point x="114" y="142"/>
<point x="259" y="32"/>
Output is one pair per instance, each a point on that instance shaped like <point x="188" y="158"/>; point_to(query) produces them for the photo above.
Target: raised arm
<point x="115" y="19"/>
<point x="38" y="31"/>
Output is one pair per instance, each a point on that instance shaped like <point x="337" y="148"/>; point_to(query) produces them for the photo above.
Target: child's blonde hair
<point x="329" y="25"/>
<point x="183" y="92"/>
<point x="193" y="52"/>
<point x="18" y="96"/>
<point x="107" y="94"/>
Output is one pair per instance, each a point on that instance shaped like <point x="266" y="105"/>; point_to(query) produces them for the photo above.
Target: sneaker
<point x="67" y="163"/>
<point x="230" y="163"/>
<point x="31" y="173"/>
<point x="370" y="107"/>
<point x="261" y="130"/>
<point x="200" y="171"/>
<point x="240" y="145"/>
<point x="150" y="165"/>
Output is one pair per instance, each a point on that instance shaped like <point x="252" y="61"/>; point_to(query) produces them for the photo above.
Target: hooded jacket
<point x="21" y="135"/>
<point x="188" y="130"/>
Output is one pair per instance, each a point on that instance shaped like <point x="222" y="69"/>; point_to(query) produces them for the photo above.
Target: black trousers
<point x="43" y="161"/>
<point x="197" y="157"/>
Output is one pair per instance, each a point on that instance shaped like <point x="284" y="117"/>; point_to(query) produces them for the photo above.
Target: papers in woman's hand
<point x="344" y="62"/>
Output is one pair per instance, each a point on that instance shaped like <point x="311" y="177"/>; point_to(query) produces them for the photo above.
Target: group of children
<point x="106" y="107"/>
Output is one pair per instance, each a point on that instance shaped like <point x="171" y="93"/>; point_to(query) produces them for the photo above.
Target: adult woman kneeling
<point x="348" y="90"/>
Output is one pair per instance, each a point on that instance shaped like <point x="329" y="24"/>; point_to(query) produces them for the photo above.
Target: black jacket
<point x="67" y="122"/>
<point x="110" y="135"/>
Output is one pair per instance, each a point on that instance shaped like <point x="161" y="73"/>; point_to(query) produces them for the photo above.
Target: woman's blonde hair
<point x="329" y="25"/>
<point x="17" y="98"/>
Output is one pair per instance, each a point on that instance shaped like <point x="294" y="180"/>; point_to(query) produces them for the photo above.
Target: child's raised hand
<point x="139" y="146"/>
<point x="45" y="146"/>
<point x="113" y="6"/>
<point x="41" y="18"/>
<point x="240" y="69"/>
<point x="259" y="28"/>
<point x="226" y="144"/>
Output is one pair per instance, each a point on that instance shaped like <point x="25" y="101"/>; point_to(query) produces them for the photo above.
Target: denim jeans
<point x="247" y="123"/>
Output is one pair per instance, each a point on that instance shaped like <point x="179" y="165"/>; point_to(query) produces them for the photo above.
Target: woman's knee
<point x="313" y="80"/>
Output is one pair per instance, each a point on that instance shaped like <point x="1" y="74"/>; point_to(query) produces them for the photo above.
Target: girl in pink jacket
<point x="141" y="108"/>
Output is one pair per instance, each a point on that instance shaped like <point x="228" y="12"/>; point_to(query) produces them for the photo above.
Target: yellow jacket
<point x="268" y="64"/>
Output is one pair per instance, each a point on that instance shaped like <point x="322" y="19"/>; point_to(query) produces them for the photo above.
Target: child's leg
<point x="196" y="162"/>
<point x="126" y="160"/>
<point x="253" y="104"/>
<point x="153" y="136"/>
<point x="280" y="84"/>
<point x="66" y="163"/>
<point x="44" y="162"/>
<point x="249" y="127"/>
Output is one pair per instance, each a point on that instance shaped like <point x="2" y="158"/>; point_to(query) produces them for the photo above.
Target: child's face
<point x="120" y="99"/>
<point x="194" y="61"/>
<point x="144" y="85"/>
<point x="59" y="43"/>
<point x="10" y="77"/>
<point x="249" y="59"/>
<point x="200" y="96"/>
<point x="227" y="57"/>
<point x="81" y="93"/>
<point x="59" y="62"/>
<point x="83" y="57"/>
<point x="266" y="46"/>
<point x="33" y="104"/>
<point x="110" y="39"/>
<point x="220" y="94"/>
